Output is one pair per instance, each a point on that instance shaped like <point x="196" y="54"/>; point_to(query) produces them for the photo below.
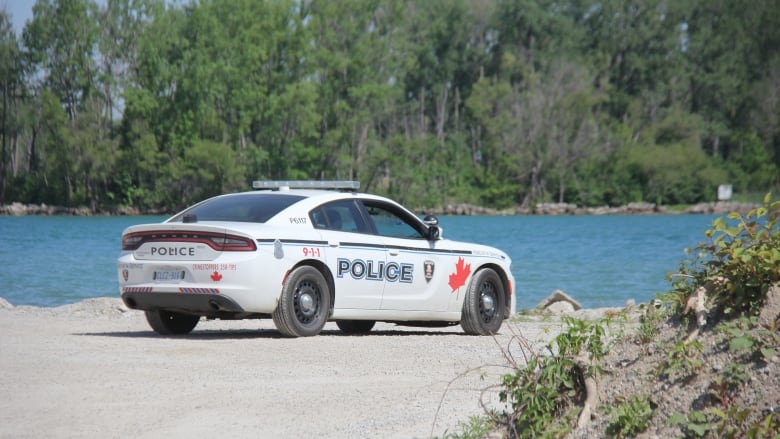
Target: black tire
<point x="171" y="323"/>
<point x="355" y="326"/>
<point x="304" y="304"/>
<point x="484" y="305"/>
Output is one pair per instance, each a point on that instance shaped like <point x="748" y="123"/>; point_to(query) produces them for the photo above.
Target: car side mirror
<point x="434" y="232"/>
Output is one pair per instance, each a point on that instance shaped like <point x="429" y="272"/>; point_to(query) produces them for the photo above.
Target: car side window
<point x="342" y="216"/>
<point x="391" y="223"/>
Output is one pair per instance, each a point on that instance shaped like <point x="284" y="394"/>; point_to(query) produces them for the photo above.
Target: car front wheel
<point x="484" y="304"/>
<point x="304" y="303"/>
<point x="171" y="323"/>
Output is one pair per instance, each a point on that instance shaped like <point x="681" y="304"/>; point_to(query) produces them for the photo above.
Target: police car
<point x="307" y="252"/>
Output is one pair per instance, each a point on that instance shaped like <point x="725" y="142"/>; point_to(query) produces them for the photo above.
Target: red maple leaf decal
<point x="462" y="271"/>
<point x="216" y="277"/>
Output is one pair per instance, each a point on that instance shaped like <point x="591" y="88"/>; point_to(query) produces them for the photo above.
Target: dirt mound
<point x="722" y="376"/>
<point x="97" y="307"/>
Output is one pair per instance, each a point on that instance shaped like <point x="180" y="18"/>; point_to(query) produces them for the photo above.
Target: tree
<point x="76" y="151"/>
<point x="155" y="104"/>
<point x="12" y="84"/>
<point x="61" y="39"/>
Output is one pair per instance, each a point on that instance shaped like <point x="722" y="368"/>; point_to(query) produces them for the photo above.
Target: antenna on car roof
<point x="306" y="184"/>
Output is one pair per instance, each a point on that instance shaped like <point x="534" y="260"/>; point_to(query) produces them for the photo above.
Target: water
<point x="55" y="260"/>
<point x="599" y="260"/>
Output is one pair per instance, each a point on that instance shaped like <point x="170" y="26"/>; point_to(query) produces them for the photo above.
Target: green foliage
<point x="649" y="321"/>
<point x="724" y="387"/>
<point x="743" y="254"/>
<point x="731" y="423"/>
<point x="674" y="173"/>
<point x="750" y="163"/>
<point x="695" y="424"/>
<point x="630" y="417"/>
<point x="735" y="267"/>
<point x="765" y="428"/>
<point x="540" y="391"/>
<point x="683" y="360"/>
<point x="476" y="427"/>
<point x="499" y="103"/>
<point x="746" y="339"/>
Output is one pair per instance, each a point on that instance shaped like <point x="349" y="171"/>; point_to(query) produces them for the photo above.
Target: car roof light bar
<point x="306" y="184"/>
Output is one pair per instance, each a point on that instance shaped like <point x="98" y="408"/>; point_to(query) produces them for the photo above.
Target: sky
<point x="20" y="11"/>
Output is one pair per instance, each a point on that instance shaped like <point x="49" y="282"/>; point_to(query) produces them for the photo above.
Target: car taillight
<point x="219" y="242"/>
<point x="230" y="243"/>
<point x="131" y="242"/>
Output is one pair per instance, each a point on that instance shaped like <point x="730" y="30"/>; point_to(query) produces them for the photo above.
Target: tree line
<point x="155" y="105"/>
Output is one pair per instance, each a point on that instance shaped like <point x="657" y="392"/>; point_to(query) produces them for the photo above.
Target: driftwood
<point x="697" y="304"/>
<point x="591" y="391"/>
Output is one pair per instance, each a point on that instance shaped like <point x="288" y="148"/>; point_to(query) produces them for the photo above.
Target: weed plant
<point x="740" y="261"/>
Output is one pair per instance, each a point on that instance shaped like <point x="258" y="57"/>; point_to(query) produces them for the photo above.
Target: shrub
<point x="630" y="417"/>
<point x="743" y="250"/>
<point x="542" y="390"/>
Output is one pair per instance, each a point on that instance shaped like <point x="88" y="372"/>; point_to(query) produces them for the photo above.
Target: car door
<point x="354" y="255"/>
<point x="415" y="278"/>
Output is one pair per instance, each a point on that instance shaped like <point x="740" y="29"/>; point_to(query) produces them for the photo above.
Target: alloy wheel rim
<point x="306" y="302"/>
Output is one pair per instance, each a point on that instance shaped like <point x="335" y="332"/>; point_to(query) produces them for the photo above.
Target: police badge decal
<point x="428" y="270"/>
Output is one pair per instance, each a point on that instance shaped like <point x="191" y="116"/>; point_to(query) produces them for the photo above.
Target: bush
<point x="542" y="391"/>
<point x="741" y="256"/>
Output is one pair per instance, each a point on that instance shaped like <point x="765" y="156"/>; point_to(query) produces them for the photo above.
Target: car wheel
<point x="355" y="326"/>
<point x="171" y="323"/>
<point x="304" y="303"/>
<point x="484" y="304"/>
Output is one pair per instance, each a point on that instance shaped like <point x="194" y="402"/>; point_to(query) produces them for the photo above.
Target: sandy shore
<point x="95" y="369"/>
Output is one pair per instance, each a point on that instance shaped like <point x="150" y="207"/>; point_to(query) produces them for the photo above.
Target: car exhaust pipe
<point x="214" y="305"/>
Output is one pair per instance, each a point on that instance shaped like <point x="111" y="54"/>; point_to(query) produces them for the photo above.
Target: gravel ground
<point x="95" y="369"/>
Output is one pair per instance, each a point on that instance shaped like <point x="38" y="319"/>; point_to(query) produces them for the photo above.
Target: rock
<point x="721" y="207"/>
<point x="555" y="209"/>
<point x="559" y="296"/>
<point x="641" y="208"/>
<point x="560" y="308"/>
<point x="770" y="312"/>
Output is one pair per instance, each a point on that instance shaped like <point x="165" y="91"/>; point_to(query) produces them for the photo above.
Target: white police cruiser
<point x="307" y="252"/>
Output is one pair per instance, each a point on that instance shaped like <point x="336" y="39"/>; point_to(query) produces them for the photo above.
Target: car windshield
<point x="248" y="207"/>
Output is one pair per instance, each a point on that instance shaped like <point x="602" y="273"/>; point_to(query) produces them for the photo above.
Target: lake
<point x="598" y="260"/>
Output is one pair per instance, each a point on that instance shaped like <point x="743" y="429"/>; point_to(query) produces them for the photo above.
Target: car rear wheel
<point x="355" y="326"/>
<point x="171" y="323"/>
<point x="484" y="304"/>
<point x="304" y="303"/>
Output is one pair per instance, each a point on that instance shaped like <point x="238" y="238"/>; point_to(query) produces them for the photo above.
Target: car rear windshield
<point x="250" y="207"/>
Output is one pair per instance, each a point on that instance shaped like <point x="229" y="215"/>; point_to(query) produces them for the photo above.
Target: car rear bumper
<point x="203" y="304"/>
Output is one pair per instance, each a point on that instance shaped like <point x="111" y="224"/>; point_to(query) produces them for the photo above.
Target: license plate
<point x="168" y="275"/>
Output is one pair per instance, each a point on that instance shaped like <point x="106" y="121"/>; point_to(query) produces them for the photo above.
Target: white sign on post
<point x="724" y="192"/>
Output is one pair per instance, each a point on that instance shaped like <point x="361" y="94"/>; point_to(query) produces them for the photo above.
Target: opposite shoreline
<point x="458" y="209"/>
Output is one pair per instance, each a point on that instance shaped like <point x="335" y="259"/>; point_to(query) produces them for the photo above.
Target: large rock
<point x="559" y="302"/>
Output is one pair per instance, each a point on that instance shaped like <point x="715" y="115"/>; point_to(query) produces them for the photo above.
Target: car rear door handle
<point x="393" y="251"/>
